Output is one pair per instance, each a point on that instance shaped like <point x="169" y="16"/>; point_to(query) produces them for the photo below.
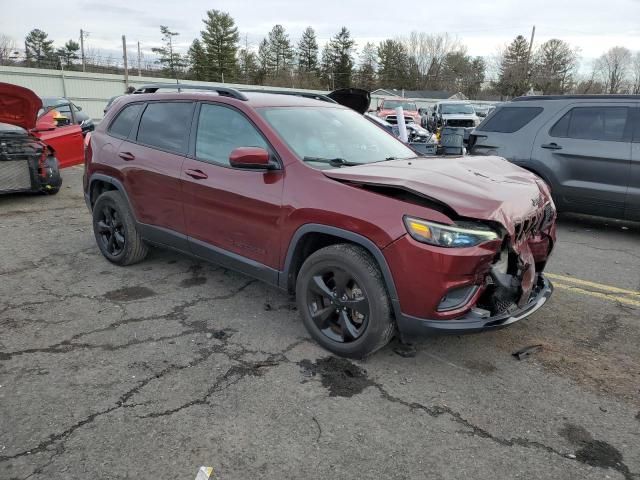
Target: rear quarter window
<point x="165" y="125"/>
<point x="509" y="119"/>
<point x="593" y="123"/>
<point x="121" y="126"/>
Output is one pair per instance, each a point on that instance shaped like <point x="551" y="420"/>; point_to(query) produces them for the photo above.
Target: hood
<point x="459" y="116"/>
<point x="18" y="106"/>
<point x="483" y="188"/>
<point x="354" y="98"/>
<point x="392" y="111"/>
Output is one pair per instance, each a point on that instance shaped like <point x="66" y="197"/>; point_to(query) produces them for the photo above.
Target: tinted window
<point x="121" y="126"/>
<point x="221" y="130"/>
<point x="636" y="126"/>
<point x="593" y="123"/>
<point x="509" y="119"/>
<point x="166" y="126"/>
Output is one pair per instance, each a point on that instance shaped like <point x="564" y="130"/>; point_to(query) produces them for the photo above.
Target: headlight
<point x="452" y="236"/>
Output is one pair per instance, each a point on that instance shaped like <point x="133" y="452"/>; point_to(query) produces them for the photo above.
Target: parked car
<point x="453" y="113"/>
<point x="32" y="149"/>
<point x="387" y="110"/>
<point x="586" y="148"/>
<point x="69" y="110"/>
<point x="482" y="110"/>
<point x="415" y="132"/>
<point x="309" y="196"/>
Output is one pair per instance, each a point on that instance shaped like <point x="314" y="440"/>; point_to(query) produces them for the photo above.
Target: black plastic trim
<point x="364" y="242"/>
<point x="410" y="326"/>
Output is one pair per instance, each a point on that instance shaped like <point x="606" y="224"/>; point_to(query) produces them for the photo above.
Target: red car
<point x="313" y="198"/>
<point x="32" y="149"/>
<point x="387" y="111"/>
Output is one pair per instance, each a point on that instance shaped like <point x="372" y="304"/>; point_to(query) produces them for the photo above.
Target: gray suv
<point x="586" y="147"/>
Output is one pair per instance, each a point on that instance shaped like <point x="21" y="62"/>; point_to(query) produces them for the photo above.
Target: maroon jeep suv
<point x="309" y="196"/>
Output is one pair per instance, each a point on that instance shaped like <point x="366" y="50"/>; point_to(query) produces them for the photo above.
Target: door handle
<point x="551" y="146"/>
<point x="197" y="174"/>
<point x="127" y="156"/>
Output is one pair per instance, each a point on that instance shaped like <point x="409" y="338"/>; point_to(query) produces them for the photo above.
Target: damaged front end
<point x="26" y="164"/>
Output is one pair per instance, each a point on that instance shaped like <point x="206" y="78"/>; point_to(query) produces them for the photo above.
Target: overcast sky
<point x="484" y="26"/>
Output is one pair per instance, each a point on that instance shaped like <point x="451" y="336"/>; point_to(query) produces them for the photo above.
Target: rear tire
<point x="115" y="230"/>
<point x="343" y="301"/>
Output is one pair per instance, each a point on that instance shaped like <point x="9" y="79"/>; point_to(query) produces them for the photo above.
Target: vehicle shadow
<point x="609" y="225"/>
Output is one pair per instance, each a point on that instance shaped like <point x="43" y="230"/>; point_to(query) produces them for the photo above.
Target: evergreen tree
<point x="513" y="76"/>
<point x="368" y="67"/>
<point x="68" y="53"/>
<point x="247" y="66"/>
<point x="341" y="56"/>
<point x="394" y="64"/>
<point x="197" y="58"/>
<point x="308" y="52"/>
<point x="171" y="60"/>
<point x="554" y="67"/>
<point x="38" y="48"/>
<point x="281" y="52"/>
<point x="220" y="41"/>
<point x="264" y="61"/>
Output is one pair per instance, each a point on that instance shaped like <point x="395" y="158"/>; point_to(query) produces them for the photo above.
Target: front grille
<point x="460" y="123"/>
<point x="14" y="175"/>
<point x="393" y="119"/>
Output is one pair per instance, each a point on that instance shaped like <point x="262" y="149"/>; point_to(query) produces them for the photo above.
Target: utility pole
<point x="82" y="34"/>
<point x="139" y="59"/>
<point x="126" y="66"/>
<point x="526" y="67"/>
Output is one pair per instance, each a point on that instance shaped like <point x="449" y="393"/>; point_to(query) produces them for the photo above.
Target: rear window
<point x="165" y="125"/>
<point x="121" y="126"/>
<point x="509" y="119"/>
<point x="593" y="123"/>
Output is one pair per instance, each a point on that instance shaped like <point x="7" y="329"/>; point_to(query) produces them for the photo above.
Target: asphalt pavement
<point x="154" y="370"/>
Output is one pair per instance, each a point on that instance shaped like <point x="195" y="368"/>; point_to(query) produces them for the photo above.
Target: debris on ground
<point x="527" y="351"/>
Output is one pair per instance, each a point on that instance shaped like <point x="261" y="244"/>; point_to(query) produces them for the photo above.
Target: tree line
<point x="419" y="61"/>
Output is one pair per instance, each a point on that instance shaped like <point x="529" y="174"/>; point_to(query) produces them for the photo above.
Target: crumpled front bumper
<point x="473" y="322"/>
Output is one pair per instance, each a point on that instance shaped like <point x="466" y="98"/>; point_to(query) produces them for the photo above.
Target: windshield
<point x="391" y="104"/>
<point x="457" y="109"/>
<point x="333" y="133"/>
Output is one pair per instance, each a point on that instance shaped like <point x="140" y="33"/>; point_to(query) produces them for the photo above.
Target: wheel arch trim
<point x="352" y="237"/>
<point x="118" y="186"/>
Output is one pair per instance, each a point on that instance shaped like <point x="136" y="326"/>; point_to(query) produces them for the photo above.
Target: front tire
<point x="115" y="230"/>
<point x="343" y="301"/>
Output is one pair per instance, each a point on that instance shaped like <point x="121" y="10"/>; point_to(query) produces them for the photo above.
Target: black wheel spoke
<point x="112" y="243"/>
<point x="119" y="238"/>
<point x="108" y="218"/>
<point x="322" y="316"/>
<point x="102" y="227"/>
<point x="320" y="287"/>
<point x="117" y="221"/>
<point x="341" y="280"/>
<point x="360" y="305"/>
<point x="349" y="330"/>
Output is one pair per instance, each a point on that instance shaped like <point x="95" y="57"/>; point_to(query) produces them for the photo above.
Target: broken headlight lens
<point x="451" y="236"/>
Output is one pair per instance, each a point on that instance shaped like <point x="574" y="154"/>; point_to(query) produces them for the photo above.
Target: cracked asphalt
<point x="153" y="370"/>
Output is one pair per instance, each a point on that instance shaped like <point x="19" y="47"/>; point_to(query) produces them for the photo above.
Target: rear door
<point x="150" y="160"/>
<point x="587" y="147"/>
<point x="633" y="191"/>
<point x="232" y="215"/>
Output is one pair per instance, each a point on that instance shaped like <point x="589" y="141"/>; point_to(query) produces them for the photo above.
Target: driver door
<point x="232" y="215"/>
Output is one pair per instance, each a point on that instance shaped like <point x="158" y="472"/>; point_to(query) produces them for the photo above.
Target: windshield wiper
<point x="334" y="162"/>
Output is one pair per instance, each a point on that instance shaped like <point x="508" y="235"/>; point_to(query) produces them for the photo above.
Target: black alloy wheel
<point x="111" y="230"/>
<point x="338" y="305"/>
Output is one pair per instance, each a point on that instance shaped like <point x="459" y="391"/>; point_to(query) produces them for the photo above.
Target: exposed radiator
<point x="14" y="175"/>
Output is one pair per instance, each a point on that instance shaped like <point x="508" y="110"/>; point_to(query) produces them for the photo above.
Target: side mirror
<point x="250" y="158"/>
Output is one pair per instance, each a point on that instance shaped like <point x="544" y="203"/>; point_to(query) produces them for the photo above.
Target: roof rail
<point x="313" y="96"/>
<point x="222" y="91"/>
<point x="530" y="98"/>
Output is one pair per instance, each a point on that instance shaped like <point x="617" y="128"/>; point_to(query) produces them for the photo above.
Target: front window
<point x="319" y="134"/>
<point x="456" y="109"/>
<point x="393" y="104"/>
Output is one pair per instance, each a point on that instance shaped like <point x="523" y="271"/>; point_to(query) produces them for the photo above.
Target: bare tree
<point x="635" y="69"/>
<point x="613" y="67"/>
<point x="428" y="52"/>
<point x="7" y="49"/>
